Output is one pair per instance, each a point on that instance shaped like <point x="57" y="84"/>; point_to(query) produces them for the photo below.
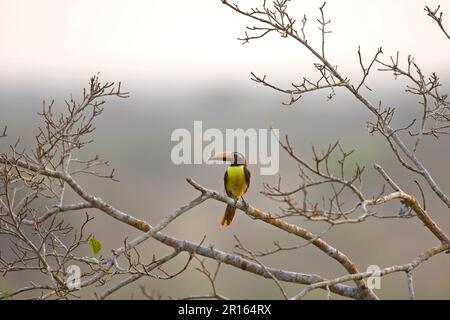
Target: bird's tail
<point x="228" y="216"/>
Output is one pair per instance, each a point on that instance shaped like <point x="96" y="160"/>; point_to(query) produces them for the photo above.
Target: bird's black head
<point x="238" y="159"/>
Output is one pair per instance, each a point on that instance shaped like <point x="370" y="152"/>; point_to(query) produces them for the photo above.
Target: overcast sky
<point x="179" y="39"/>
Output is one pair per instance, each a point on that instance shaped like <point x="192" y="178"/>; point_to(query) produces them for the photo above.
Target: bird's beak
<point x="222" y="156"/>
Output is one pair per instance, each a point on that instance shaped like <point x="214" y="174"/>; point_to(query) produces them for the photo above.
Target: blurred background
<point x="181" y="62"/>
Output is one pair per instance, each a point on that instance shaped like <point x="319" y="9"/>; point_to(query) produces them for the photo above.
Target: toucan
<point x="236" y="180"/>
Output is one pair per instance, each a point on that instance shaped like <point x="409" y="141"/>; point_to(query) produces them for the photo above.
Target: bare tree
<point x="40" y="240"/>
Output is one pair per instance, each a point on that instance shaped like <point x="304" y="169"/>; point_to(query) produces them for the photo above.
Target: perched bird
<point x="236" y="180"/>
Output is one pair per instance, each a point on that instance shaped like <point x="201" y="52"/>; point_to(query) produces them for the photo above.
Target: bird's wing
<point x="225" y="179"/>
<point x="248" y="175"/>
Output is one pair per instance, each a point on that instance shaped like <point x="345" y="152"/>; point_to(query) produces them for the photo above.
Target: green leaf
<point x="5" y="295"/>
<point x="91" y="259"/>
<point x="95" y="245"/>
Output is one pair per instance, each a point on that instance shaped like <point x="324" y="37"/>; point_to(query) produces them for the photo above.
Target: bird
<point x="236" y="181"/>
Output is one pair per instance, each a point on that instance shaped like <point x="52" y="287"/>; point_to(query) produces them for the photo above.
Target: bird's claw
<point x="246" y="205"/>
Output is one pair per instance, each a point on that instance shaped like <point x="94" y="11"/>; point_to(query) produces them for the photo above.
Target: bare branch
<point x="436" y="15"/>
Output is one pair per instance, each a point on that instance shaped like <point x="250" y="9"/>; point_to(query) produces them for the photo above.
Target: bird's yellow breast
<point x="236" y="183"/>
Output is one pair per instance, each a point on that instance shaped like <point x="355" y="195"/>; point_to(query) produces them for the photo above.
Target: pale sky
<point x="179" y="39"/>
